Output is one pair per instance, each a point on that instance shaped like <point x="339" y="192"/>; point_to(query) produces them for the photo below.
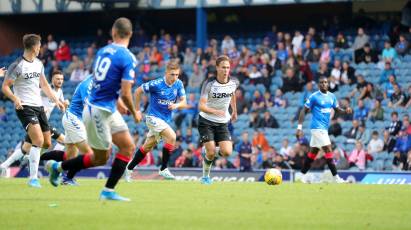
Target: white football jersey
<point x="49" y="104"/>
<point x="26" y="76"/>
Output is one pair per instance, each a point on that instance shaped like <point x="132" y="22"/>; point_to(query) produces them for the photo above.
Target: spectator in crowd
<point x="348" y="74"/>
<point x="316" y="38"/>
<point x="402" y="45"/>
<point x="265" y="64"/>
<point x="398" y="98"/>
<point x="279" y="100"/>
<point x="254" y="119"/>
<point x="156" y="58"/>
<point x="340" y="41"/>
<point x="323" y="71"/>
<point x="357" y="157"/>
<point x="336" y="71"/>
<point x="399" y="162"/>
<point x="74" y="64"/>
<point x="80" y="73"/>
<point x="352" y="133"/>
<point x="377" y="112"/>
<point x="376" y="144"/>
<point x="258" y="101"/>
<point x="297" y="41"/>
<point x="389" y="87"/>
<point x="228" y="43"/>
<point x="361" y="112"/>
<point x="196" y="78"/>
<point x="386" y="73"/>
<point x="388" y="53"/>
<point x="101" y="39"/>
<point x="183" y="78"/>
<point x="186" y="160"/>
<point x="296" y="157"/>
<point x="285" y="148"/>
<point x="223" y="163"/>
<point x="407" y="164"/>
<point x="335" y="128"/>
<point x="360" y="40"/>
<point x="366" y="55"/>
<point x="242" y="104"/>
<point x="282" y="53"/>
<point x="268" y="100"/>
<point x="389" y="141"/>
<point x="308" y="52"/>
<point x="245" y="152"/>
<point x="340" y="159"/>
<point x="395" y="125"/>
<point x="344" y="103"/>
<point x="51" y="44"/>
<point x="280" y="163"/>
<point x="371" y="92"/>
<point x="63" y="52"/>
<point x="403" y="142"/>
<point x="3" y="115"/>
<point x="178" y="151"/>
<point x="291" y="82"/>
<point x="189" y="57"/>
<point x="305" y="71"/>
<point x="89" y="58"/>
<point x="268" y="121"/>
<point x="406" y="124"/>
<point x="188" y="114"/>
<point x="275" y="62"/>
<point x="408" y="105"/>
<point x="326" y="54"/>
<point x="363" y="134"/>
<point x="55" y="66"/>
<point x="260" y="141"/>
<point x="255" y="75"/>
<point x="290" y="64"/>
<point x="45" y="55"/>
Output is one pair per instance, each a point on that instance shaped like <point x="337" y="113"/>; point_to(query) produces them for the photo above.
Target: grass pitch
<point x="190" y="205"/>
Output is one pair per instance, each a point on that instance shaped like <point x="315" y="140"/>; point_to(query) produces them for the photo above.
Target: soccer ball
<point x="273" y="177"/>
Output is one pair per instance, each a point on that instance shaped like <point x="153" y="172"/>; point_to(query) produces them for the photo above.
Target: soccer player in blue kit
<point x="113" y="75"/>
<point x="320" y="104"/>
<point x="164" y="94"/>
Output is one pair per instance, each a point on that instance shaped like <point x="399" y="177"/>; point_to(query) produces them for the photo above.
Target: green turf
<point x="189" y="205"/>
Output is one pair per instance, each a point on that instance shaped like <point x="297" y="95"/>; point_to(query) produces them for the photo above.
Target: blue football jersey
<point x="80" y="96"/>
<point x="321" y="105"/>
<point x="161" y="96"/>
<point x="114" y="63"/>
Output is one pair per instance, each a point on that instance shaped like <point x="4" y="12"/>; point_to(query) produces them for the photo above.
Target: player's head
<point x="122" y="29"/>
<point x="32" y="43"/>
<point x="223" y="66"/>
<point x="172" y="71"/>
<point x="323" y="84"/>
<point x="57" y="79"/>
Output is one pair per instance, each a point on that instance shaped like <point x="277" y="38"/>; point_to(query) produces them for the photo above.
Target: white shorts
<point x="155" y="126"/>
<point x="319" y="138"/>
<point x="101" y="125"/>
<point x="74" y="129"/>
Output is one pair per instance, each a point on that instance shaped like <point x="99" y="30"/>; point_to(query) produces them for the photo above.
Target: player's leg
<point x="37" y="140"/>
<point x="206" y="132"/>
<point x="309" y="158"/>
<point x="59" y="137"/>
<point x="330" y="162"/>
<point x="15" y="156"/>
<point x="141" y="152"/>
<point x="169" y="137"/>
<point x="223" y="137"/>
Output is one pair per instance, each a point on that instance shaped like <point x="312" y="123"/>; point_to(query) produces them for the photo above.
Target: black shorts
<point x="33" y="115"/>
<point x="212" y="131"/>
<point x="53" y="131"/>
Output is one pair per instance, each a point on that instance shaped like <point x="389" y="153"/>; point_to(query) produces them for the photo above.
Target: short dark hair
<point x="30" y="40"/>
<point x="221" y="59"/>
<point x="123" y="27"/>
<point x="394" y="113"/>
<point x="57" y="72"/>
<point x="375" y="133"/>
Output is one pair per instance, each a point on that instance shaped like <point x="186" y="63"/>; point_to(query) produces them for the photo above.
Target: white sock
<point x="206" y="167"/>
<point x="59" y="146"/>
<point x="217" y="151"/>
<point x="12" y="158"/>
<point x="34" y="161"/>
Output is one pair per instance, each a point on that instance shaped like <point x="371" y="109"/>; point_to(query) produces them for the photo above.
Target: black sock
<point x="331" y="165"/>
<point x="167" y="150"/>
<point x="138" y="157"/>
<point x="307" y="163"/>
<point x="78" y="163"/>
<point x="117" y="170"/>
<point x="56" y="155"/>
<point x="71" y="173"/>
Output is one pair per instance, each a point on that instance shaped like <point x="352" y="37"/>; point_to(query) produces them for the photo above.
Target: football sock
<point x="167" y="150"/>
<point x="207" y="166"/>
<point x="117" y="170"/>
<point x="310" y="157"/>
<point x="138" y="157"/>
<point x="34" y="156"/>
<point x="76" y="164"/>
<point x="56" y="155"/>
<point x="71" y="173"/>
<point x="330" y="163"/>
<point x="15" y="156"/>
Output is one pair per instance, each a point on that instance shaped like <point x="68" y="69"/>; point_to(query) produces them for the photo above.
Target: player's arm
<point x="137" y="95"/>
<point x="6" y="89"/>
<point x="2" y="71"/>
<point x="339" y="110"/>
<point x="182" y="104"/>
<point x="127" y="97"/>
<point x="205" y="109"/>
<point x="44" y="85"/>
<point x="301" y="117"/>
<point x="233" y="104"/>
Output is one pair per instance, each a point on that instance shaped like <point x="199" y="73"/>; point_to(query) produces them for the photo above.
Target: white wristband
<point x="300" y="127"/>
